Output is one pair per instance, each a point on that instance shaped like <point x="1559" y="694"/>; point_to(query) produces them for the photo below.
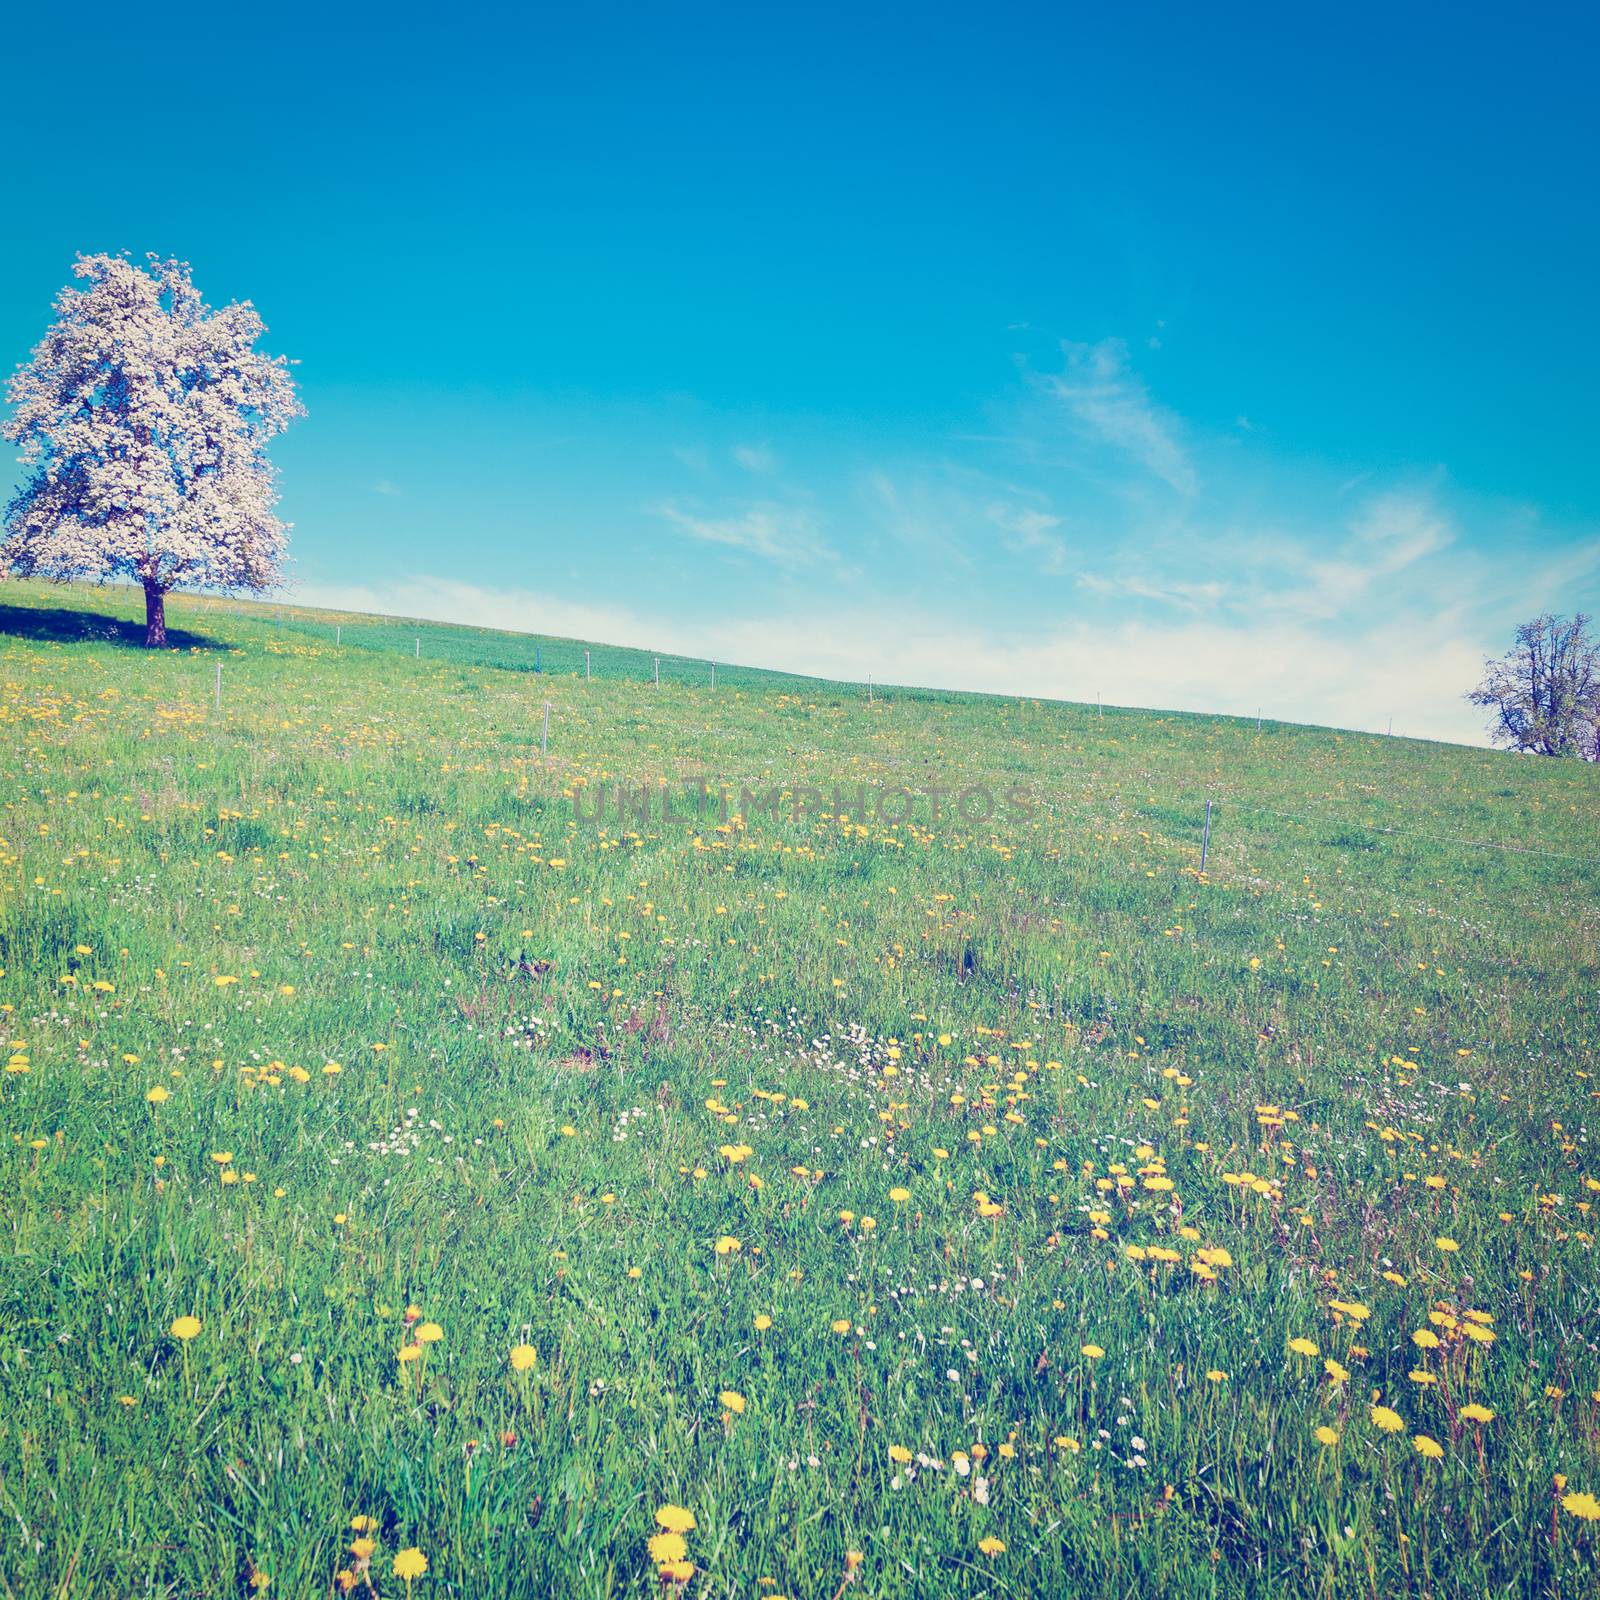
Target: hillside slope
<point x="1005" y="1138"/>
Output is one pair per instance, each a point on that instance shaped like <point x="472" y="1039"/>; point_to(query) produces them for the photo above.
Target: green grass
<point x="547" y="1031"/>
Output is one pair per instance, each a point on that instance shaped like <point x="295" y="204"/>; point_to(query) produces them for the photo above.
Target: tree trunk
<point x="155" y="617"/>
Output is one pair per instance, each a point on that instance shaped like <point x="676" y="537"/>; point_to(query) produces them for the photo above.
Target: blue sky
<point x="1197" y="359"/>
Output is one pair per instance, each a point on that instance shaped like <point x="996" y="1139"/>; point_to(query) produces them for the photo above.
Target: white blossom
<point x="144" y="416"/>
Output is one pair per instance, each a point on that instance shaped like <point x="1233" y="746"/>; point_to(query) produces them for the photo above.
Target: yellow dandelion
<point x="410" y="1563"/>
<point x="667" y="1547"/>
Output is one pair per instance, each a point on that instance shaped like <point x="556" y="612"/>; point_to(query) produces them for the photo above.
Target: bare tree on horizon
<point x="1545" y="691"/>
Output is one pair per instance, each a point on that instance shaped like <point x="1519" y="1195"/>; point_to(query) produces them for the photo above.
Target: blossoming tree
<point x="144" y="416"/>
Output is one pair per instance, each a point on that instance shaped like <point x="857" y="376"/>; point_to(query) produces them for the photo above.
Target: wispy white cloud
<point x="1389" y="535"/>
<point x="1106" y="403"/>
<point x="1389" y="544"/>
<point x="1404" y="526"/>
<point x="756" y="457"/>
<point x="922" y="516"/>
<point x="1554" y="576"/>
<point x="693" y="456"/>
<point x="1028" y="531"/>
<point x="952" y="517"/>
<point x="384" y="487"/>
<point x="1183" y="593"/>
<point x="788" y="535"/>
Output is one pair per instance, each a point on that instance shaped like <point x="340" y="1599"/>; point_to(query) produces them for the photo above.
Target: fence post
<point x="338" y="633"/>
<point x="869" y="688"/>
<point x="544" y="738"/>
<point x="419" y="649"/>
<point x="658" y="672"/>
<point x="1205" y="836"/>
<point x="713" y="674"/>
<point x="538" y="658"/>
<point x="219" y="686"/>
<point x="586" y="663"/>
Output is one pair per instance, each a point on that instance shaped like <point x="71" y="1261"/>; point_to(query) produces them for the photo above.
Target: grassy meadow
<point x="418" y="1186"/>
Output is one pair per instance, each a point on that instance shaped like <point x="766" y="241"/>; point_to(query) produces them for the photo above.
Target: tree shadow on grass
<point x="58" y="625"/>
